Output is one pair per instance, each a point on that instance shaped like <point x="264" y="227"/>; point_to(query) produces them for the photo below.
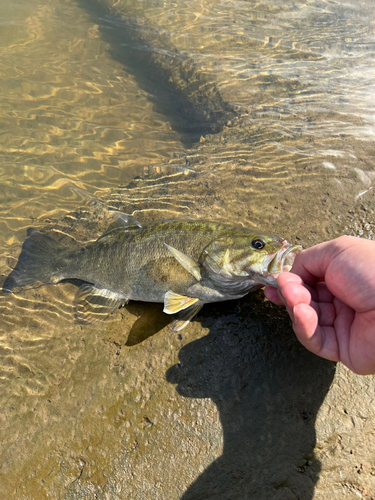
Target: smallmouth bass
<point x="182" y="263"/>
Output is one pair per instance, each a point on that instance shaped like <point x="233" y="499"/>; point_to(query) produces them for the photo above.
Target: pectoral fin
<point x="94" y="304"/>
<point x="186" y="316"/>
<point x="173" y="302"/>
<point x="186" y="262"/>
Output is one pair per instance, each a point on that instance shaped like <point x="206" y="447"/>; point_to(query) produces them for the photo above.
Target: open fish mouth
<point x="283" y="260"/>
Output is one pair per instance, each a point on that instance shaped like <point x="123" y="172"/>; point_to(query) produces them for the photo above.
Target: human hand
<point x="330" y="297"/>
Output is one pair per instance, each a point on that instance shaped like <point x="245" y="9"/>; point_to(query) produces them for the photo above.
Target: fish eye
<point x="258" y="244"/>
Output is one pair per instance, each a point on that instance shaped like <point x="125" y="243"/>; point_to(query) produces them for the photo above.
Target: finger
<point x="326" y="313"/>
<point x="320" y="340"/>
<point x="272" y="294"/>
<point x="319" y="292"/>
<point x="322" y="293"/>
<point x="294" y="293"/>
<point x="277" y="295"/>
<point x="290" y="277"/>
<point x="311" y="264"/>
<point x="343" y="323"/>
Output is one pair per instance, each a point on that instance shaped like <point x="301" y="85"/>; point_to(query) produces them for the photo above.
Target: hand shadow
<point x="268" y="390"/>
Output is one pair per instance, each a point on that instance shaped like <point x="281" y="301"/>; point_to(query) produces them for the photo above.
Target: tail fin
<point x="37" y="261"/>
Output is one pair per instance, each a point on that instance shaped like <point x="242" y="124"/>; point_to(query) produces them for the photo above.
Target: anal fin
<point x="94" y="304"/>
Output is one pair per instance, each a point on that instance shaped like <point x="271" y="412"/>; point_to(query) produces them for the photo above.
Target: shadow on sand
<point x="268" y="390"/>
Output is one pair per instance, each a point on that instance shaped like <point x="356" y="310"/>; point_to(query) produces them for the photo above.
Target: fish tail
<point x="37" y="262"/>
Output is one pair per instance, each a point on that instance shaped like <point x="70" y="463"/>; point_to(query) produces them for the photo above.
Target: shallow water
<point x="77" y="109"/>
<point x="254" y="113"/>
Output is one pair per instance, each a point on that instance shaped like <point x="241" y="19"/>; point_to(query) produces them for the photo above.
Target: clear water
<point x="271" y="104"/>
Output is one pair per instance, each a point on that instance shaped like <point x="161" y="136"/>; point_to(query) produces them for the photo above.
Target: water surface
<point x="259" y="114"/>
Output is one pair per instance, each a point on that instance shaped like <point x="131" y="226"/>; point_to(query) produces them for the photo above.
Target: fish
<point x="181" y="263"/>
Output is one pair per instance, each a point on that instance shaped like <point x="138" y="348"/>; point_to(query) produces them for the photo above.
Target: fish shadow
<point x="150" y="321"/>
<point x="268" y="390"/>
<point x="192" y="114"/>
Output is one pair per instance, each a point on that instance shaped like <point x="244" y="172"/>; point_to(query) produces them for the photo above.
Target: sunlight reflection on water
<point x="285" y="92"/>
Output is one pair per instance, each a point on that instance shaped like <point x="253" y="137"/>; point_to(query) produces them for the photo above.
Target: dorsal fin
<point x="118" y="219"/>
<point x="122" y="223"/>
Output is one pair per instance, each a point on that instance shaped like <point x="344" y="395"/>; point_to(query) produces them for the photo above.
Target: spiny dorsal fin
<point x="122" y="223"/>
<point x="121" y="220"/>
<point x="173" y="302"/>
<point x="186" y="262"/>
<point x="94" y="304"/>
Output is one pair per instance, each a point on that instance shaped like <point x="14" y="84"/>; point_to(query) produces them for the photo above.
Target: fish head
<point x="243" y="256"/>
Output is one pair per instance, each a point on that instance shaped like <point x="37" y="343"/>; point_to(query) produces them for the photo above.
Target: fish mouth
<point x="283" y="260"/>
